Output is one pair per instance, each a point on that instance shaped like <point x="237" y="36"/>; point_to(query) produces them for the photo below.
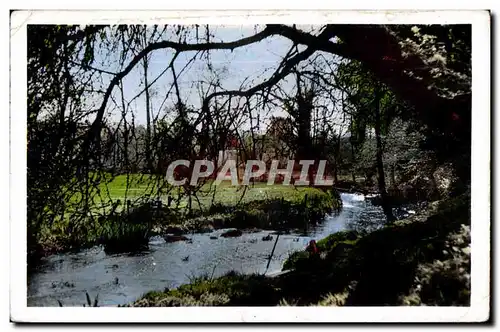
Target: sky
<point x="254" y="63"/>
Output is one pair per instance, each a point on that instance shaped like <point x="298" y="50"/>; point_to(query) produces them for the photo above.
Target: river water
<point x="123" y="278"/>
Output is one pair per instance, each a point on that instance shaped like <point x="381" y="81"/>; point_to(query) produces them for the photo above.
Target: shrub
<point x="232" y="288"/>
<point x="295" y="259"/>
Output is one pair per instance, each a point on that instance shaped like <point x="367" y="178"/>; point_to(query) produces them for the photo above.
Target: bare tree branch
<point x="179" y="47"/>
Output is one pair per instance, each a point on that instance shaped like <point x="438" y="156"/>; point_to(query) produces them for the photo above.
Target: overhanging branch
<point x="179" y="47"/>
<point x="286" y="66"/>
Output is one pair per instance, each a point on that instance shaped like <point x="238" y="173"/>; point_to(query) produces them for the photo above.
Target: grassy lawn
<point x="259" y="206"/>
<point x="134" y="186"/>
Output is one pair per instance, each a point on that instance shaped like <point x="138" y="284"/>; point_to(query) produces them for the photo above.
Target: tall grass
<point x="89" y="303"/>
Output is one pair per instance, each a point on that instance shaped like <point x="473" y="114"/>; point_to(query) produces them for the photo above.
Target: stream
<point x="123" y="278"/>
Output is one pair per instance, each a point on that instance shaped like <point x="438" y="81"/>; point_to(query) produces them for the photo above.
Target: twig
<point x="272" y="253"/>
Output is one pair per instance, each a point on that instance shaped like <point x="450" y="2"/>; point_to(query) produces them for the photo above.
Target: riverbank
<point x="128" y="229"/>
<point x="295" y="210"/>
<point x="422" y="260"/>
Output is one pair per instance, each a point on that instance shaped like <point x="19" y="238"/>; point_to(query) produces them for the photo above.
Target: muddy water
<point x="120" y="279"/>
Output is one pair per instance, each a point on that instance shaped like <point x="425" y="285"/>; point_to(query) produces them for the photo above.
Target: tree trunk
<point x="386" y="204"/>
<point x="335" y="174"/>
<point x="353" y="172"/>
<point x="393" y="176"/>
<point x="303" y="122"/>
<point x="336" y="158"/>
<point x="353" y="153"/>
<point x="149" y="161"/>
<point x="304" y="135"/>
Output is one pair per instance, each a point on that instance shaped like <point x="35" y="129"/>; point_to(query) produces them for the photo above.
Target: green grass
<point x="123" y="187"/>
<point x="108" y="219"/>
<point x="230" y="289"/>
<point x="120" y="187"/>
<point x="136" y="186"/>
